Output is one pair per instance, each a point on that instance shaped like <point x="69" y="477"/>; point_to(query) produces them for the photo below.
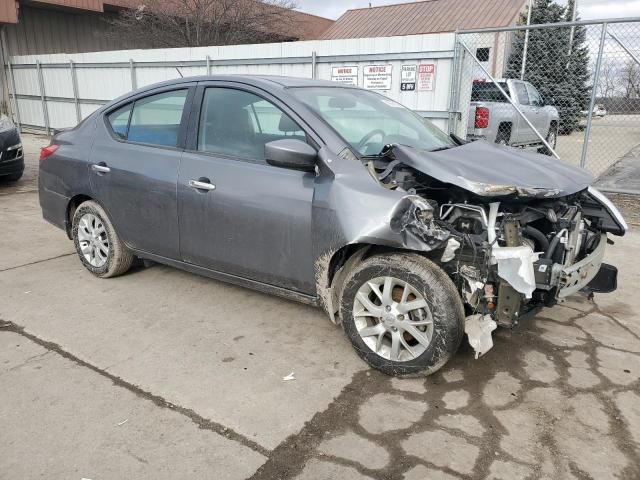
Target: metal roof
<point x="430" y="16"/>
<point x="307" y="26"/>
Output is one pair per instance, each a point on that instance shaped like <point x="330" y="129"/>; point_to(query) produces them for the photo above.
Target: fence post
<point x="74" y="84"/>
<point x="454" y="90"/>
<point x="526" y="42"/>
<point x="45" y="110"/>
<point x="13" y="94"/>
<point x="594" y="92"/>
<point x="314" y="61"/>
<point x="132" y="70"/>
<point x="208" y="65"/>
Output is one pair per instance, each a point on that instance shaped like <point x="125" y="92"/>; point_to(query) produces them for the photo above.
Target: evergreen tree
<point x="558" y="70"/>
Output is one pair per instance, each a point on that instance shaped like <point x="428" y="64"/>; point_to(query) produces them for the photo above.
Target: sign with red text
<point x="345" y="75"/>
<point x="426" y="76"/>
<point x="377" y="77"/>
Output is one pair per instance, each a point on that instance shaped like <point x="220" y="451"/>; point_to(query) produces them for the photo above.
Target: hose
<point x="538" y="236"/>
<point x="554" y="244"/>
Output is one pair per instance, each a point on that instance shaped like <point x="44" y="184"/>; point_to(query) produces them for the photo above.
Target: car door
<point x="525" y="133"/>
<point x="237" y="214"/>
<point x="134" y="168"/>
<point x="541" y="116"/>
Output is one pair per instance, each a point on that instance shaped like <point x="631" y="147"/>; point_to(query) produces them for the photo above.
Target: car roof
<point x="265" y="81"/>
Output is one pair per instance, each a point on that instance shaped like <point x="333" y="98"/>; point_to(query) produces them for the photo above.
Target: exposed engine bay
<point x="510" y="249"/>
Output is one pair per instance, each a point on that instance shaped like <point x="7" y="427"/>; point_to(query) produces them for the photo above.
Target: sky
<point x="587" y="9"/>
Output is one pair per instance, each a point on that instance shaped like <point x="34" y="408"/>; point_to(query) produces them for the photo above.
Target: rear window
<point x="488" y="92"/>
<point x="153" y="120"/>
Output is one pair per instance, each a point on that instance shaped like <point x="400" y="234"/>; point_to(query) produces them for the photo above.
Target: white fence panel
<point x="57" y="82"/>
<point x="103" y="76"/>
<point x="103" y="84"/>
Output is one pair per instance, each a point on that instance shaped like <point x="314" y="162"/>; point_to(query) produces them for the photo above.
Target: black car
<point x="11" y="152"/>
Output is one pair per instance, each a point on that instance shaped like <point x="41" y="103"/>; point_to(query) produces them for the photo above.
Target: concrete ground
<point x="163" y="374"/>
<point x="612" y="137"/>
<point x="624" y="175"/>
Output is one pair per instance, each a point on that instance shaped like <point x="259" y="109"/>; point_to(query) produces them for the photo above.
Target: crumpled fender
<point x="351" y="208"/>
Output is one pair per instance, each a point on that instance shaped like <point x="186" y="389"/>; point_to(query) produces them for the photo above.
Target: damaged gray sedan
<point x="336" y="197"/>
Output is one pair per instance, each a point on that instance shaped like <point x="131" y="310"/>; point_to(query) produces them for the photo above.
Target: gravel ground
<point x="629" y="206"/>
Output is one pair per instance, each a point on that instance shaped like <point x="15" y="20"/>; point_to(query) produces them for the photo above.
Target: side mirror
<point x="292" y="154"/>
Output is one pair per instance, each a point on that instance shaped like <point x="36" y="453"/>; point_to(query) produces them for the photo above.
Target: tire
<point x="117" y="259"/>
<point x="426" y="282"/>
<point x="552" y="140"/>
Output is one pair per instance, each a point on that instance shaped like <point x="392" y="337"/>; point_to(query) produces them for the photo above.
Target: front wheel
<point x="552" y="140"/>
<point x="100" y="249"/>
<point x="402" y="314"/>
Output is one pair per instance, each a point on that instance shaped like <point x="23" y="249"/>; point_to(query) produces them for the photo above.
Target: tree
<point x="195" y="23"/>
<point x="556" y="65"/>
<point x="609" y="79"/>
<point x="630" y="79"/>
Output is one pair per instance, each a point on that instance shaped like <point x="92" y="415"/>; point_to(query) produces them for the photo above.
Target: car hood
<point x="492" y="170"/>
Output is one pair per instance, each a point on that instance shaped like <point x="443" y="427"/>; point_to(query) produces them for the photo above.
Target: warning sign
<point x="345" y="75"/>
<point x="408" y="78"/>
<point x="426" y="76"/>
<point x="377" y="77"/>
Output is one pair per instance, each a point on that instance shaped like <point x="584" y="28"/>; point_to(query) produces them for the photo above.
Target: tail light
<point x="482" y="117"/>
<point x="47" y="151"/>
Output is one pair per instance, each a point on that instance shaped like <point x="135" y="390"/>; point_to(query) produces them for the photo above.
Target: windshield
<point x="368" y="121"/>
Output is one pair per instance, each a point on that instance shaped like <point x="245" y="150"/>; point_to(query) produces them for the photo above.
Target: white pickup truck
<point x="493" y="118"/>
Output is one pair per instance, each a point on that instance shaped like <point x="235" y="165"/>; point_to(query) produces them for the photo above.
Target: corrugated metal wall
<point x="52" y="31"/>
<point x="102" y="76"/>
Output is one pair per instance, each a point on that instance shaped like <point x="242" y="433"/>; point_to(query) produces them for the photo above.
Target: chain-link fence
<point x="569" y="89"/>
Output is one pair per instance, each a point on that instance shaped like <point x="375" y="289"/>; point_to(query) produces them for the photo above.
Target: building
<point x="71" y="26"/>
<point x="435" y="16"/>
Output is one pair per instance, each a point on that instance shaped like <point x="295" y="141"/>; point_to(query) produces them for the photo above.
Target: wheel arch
<point x="330" y="277"/>
<point x="505" y="129"/>
<point x="72" y="206"/>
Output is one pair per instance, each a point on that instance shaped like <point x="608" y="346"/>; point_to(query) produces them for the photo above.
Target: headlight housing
<point x="610" y="207"/>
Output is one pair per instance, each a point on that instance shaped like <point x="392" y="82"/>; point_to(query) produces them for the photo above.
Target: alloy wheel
<point x="93" y="240"/>
<point x="393" y="319"/>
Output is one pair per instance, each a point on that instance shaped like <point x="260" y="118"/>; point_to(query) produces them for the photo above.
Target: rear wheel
<point x="100" y="249"/>
<point x="402" y="314"/>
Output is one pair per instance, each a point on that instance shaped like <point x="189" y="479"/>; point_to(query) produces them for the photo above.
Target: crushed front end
<point x="512" y="250"/>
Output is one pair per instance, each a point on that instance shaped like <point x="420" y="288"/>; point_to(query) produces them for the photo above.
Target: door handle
<point x="100" y="168"/>
<point x="202" y="184"/>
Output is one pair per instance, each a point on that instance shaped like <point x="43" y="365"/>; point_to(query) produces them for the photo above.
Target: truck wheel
<point x="100" y="249"/>
<point x="402" y="314"/>
<point x="552" y="140"/>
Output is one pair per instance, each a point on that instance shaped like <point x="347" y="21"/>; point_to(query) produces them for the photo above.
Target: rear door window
<point x="119" y="121"/>
<point x="521" y="92"/>
<point x="154" y="120"/>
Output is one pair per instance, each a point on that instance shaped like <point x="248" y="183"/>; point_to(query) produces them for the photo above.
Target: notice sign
<point x="408" y="78"/>
<point x="345" y="75"/>
<point x="426" y="76"/>
<point x="377" y="77"/>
